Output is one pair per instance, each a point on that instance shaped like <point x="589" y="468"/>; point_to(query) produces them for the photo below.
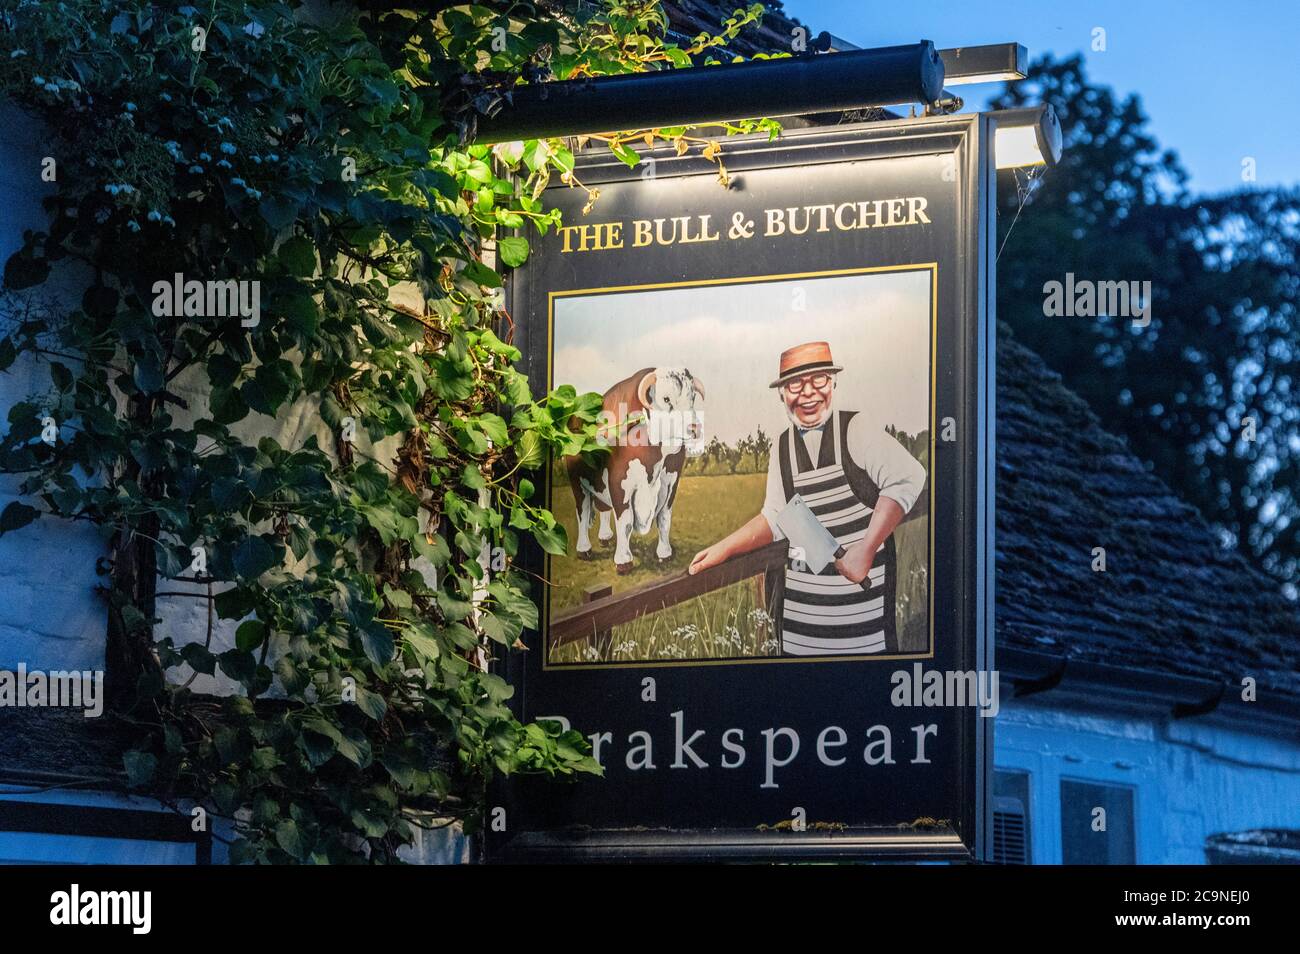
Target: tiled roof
<point x="1171" y="599"/>
<point x="689" y="18"/>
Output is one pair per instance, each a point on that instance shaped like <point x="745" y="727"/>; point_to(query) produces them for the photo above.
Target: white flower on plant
<point x="688" y="631"/>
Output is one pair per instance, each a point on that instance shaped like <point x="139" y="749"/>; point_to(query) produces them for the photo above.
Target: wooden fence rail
<point x="594" y="619"/>
<point x="602" y="609"/>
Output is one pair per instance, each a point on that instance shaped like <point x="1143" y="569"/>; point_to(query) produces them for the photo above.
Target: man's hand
<point x="709" y="556"/>
<point x="752" y="535"/>
<point x="855" y="565"/>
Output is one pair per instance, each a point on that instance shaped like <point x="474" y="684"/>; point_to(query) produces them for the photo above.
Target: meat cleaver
<point x="802" y="528"/>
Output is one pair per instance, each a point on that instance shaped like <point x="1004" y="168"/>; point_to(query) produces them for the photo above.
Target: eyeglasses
<point x="818" y="381"/>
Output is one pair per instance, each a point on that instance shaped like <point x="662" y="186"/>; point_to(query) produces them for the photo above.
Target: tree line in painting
<point x="752" y="453"/>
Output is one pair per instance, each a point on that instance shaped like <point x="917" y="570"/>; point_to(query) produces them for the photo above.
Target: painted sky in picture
<point x="731" y="336"/>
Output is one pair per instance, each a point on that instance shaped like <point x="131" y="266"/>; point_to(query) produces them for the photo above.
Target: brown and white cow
<point x="651" y="422"/>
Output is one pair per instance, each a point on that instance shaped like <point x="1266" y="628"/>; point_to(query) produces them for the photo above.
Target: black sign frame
<point x="528" y="830"/>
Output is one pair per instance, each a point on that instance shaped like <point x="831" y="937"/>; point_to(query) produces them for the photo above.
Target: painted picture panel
<point x="811" y="402"/>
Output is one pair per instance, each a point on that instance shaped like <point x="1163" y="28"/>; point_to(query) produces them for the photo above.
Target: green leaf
<point x="377" y="642"/>
<point x="238" y="665"/>
<point x="17" y="515"/>
<point x="269" y="387"/>
<point x="223" y="370"/>
<point x="482" y="275"/>
<point x="302" y="313"/>
<point x="513" y="250"/>
<point x="234" y="603"/>
<point x="298" y="256"/>
<point x="264" y="758"/>
<point x="371" y="703"/>
<point x="494" y="427"/>
<point x="495" y="628"/>
<point x="199" y="658"/>
<point x="61" y="376"/>
<point x="140" y="767"/>
<point x="23" y="270"/>
<point x="355" y="747"/>
<point x="148" y="374"/>
<point x="289" y="837"/>
<point x="437" y="552"/>
<point x="531" y="450"/>
<point x="250" y="635"/>
<point x="100" y="301"/>
<point x="472" y="477"/>
<point x="318" y="747"/>
<point x="425" y="646"/>
<point x="278" y="211"/>
<point x="227" y="406"/>
<point x="553" y="539"/>
<point x="253" y="556"/>
<point x="626" y="154"/>
<point x="368" y="480"/>
<point x="453" y="608"/>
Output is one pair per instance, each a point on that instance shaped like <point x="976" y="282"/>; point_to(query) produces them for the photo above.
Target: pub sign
<point x="774" y="619"/>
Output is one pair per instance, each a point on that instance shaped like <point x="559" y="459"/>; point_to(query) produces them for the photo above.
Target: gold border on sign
<point x="933" y="268"/>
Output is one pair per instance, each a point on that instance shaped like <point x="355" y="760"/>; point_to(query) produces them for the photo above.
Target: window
<point x="1096" y="824"/>
<point x="1011" y="818"/>
<point x="60" y="833"/>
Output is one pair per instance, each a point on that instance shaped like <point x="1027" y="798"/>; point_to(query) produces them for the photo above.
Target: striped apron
<point x="823" y="613"/>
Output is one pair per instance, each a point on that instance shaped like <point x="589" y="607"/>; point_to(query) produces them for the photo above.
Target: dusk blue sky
<point x="1217" y="79"/>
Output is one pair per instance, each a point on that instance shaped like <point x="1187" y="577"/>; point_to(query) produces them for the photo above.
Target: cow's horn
<point x="698" y="386"/>
<point x="643" y="389"/>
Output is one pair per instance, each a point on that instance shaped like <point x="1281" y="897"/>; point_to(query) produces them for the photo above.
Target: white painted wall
<point x="50" y="617"/>
<point x="433" y="847"/>
<point x="1192" y="778"/>
<point x="50" y="614"/>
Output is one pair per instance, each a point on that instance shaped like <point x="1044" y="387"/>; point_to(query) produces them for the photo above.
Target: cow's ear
<point x="699" y="388"/>
<point x="643" y="390"/>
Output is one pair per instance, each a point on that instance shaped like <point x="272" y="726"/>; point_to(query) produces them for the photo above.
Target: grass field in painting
<point x="728" y="623"/>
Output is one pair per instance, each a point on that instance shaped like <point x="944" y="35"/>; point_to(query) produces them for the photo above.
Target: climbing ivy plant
<point x="286" y="394"/>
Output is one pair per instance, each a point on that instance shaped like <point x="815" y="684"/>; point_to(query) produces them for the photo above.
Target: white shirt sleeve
<point x="898" y="474"/>
<point x="774" y="501"/>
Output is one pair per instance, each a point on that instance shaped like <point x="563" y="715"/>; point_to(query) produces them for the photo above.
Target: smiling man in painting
<point x="859" y="482"/>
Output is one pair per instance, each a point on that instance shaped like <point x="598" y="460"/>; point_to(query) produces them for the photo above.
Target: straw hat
<point x="805" y="359"/>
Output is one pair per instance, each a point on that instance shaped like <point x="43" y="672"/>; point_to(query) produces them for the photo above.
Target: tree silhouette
<point x="1206" y="391"/>
<point x="759" y="445"/>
